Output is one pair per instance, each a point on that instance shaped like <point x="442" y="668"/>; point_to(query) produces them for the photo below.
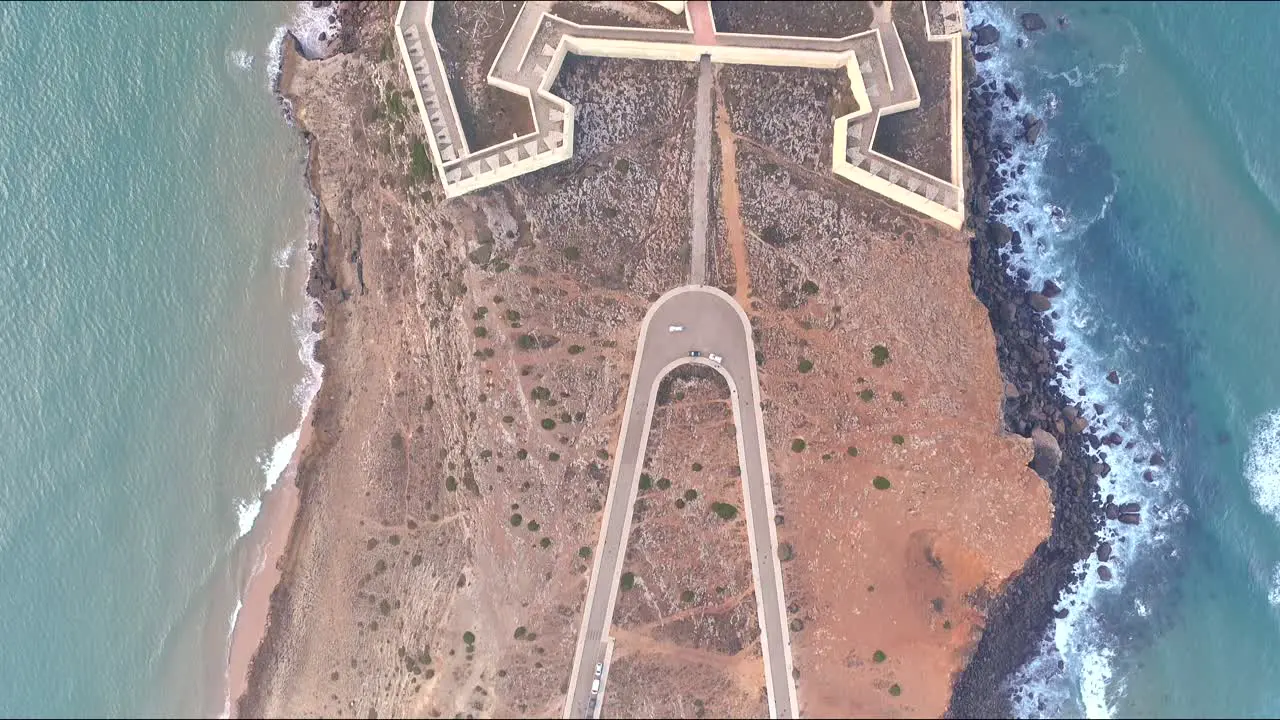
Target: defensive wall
<point x="531" y="55"/>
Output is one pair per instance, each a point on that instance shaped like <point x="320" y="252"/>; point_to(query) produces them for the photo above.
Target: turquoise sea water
<point x="1160" y="148"/>
<point x="152" y="227"/>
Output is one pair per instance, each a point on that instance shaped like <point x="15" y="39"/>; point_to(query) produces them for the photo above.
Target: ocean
<point x="155" y="348"/>
<point x="1153" y="198"/>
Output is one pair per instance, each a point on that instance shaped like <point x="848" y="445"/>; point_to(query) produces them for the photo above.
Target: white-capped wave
<point x="242" y="60"/>
<point x="1073" y="673"/>
<point x="1262" y="464"/>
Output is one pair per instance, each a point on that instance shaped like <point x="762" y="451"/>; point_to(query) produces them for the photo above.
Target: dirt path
<point x="731" y="203"/>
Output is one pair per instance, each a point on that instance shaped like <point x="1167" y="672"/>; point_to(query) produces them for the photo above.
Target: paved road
<point x="700" y="193"/>
<point x="713" y="323"/>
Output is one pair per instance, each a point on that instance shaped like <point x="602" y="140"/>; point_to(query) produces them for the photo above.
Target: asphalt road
<point x="712" y="324"/>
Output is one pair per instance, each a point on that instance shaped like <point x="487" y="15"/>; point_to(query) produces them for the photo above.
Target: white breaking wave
<point x="1262" y="464"/>
<point x="1073" y="673"/>
<point x="242" y="60"/>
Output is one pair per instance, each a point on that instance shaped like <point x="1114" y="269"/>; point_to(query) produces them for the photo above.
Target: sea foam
<point x="1073" y="671"/>
<point x="1262" y="464"/>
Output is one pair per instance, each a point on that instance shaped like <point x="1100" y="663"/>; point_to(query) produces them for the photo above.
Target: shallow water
<point x="1158" y="149"/>
<point x="154" y="222"/>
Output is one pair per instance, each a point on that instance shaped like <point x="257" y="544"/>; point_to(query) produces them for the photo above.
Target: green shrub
<point x="628" y="581"/>
<point x="899" y="440"/>
<point x="419" y="163"/>
<point x="880" y="482"/>
<point x="513" y="316"/>
<point x="898" y="397"/>
<point x="584" y="552"/>
<point x="853" y="451"/>
<point x="809" y="287"/>
<point x="680" y="503"/>
<point x="895" y="689"/>
<point x="786" y="552"/>
<point x="697" y="467"/>
<point x="527" y="342"/>
<point x="548" y="424"/>
<point x="451" y="483"/>
<point x="687" y="596"/>
<point x="522" y="454"/>
<point x="576" y="349"/>
<point x="879" y="656"/>
<point x="545" y="543"/>
<point x="879" y="355"/>
<point x="469" y="637"/>
<point x="533" y="526"/>
<point x="867" y="395"/>
<point x="724" y="510"/>
<point x="508" y="419"/>
<point x="946" y="624"/>
<point x="805" y="365"/>
<point x="540" y="393"/>
<point x="553" y="456"/>
<point x="663" y="483"/>
<point x="520" y="631"/>
<point x="516" y="520"/>
<point x="646" y="481"/>
<point x="572" y="253"/>
<point x="480" y="331"/>
<point x="690" y="495"/>
<point x="798" y="445"/>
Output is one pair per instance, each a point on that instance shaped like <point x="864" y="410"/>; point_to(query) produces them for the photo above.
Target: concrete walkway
<point x="701" y="191"/>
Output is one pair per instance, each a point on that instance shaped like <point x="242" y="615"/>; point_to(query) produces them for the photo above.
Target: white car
<point x="675" y="328"/>
<point x="715" y="358"/>
<point x="599" y="669"/>
<point x="595" y="686"/>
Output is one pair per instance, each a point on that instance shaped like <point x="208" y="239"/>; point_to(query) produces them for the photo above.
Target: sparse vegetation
<point x="785" y="551"/>
<point x="852" y="451"/>
<point x="806" y="365"/>
<point x="725" y="511"/>
<point x="576" y="349"/>
<point x="880" y="482"/>
<point x="879" y="355"/>
<point x="899" y="440"/>
<point x="545" y="543"/>
<point x="687" y="596"/>
<point x="628" y="581"/>
<point x="646" y="481"/>
<point x="867" y="395"/>
<point x="572" y="253"/>
<point x="540" y="393"/>
<point x="419" y="163"/>
<point x="809" y="287"/>
<point x="584" y="552"/>
<point x="548" y="424"/>
<point x="690" y="495"/>
<point x="798" y="445"/>
<point x="898" y="396"/>
<point x="663" y="483"/>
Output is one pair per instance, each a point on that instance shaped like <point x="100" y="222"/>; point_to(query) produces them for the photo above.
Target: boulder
<point x="1148" y="476"/>
<point x="1104" y="552"/>
<point x="1079" y="425"/>
<point x="1156" y="459"/>
<point x="1110" y="511"/>
<point x="1001" y="233"/>
<point x="1112" y="438"/>
<point x="1104" y="573"/>
<point x="1047" y="453"/>
<point x="1011" y="391"/>
<point x="1032" y="22"/>
<point x="1011" y="92"/>
<point x="986" y="34"/>
<point x="1061" y="614"/>
<point x="1032" y="131"/>
<point x="1113" y="377"/>
<point x="1130" y="507"/>
<point x="1039" y="302"/>
<point x="1051" y="289"/>
<point x="1130" y="518"/>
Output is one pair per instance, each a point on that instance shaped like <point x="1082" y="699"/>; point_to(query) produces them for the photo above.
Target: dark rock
<point x="1062" y="614"/>
<point x="1032" y="132"/>
<point x="1111" y="511"/>
<point x="1113" y="377"/>
<point x="1047" y="453"/>
<point x="324" y="36"/>
<point x="1148" y="476"/>
<point x="1001" y="233"/>
<point x="986" y="34"/>
<point x="1113" y="439"/>
<point x="1104" y="551"/>
<point x="1011" y="92"/>
<point x="982" y="56"/>
<point x="1032" y="22"/>
<point x="1051" y="289"/>
<point x="1156" y="459"/>
<point x="1130" y="507"/>
<point x="1039" y="302"/>
<point x="1099" y="408"/>
<point x="1130" y="518"/>
<point x="1104" y="573"/>
<point x="1079" y="425"/>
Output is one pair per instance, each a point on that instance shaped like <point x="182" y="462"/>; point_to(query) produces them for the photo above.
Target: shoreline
<point x="281" y="507"/>
<point x="1028" y="353"/>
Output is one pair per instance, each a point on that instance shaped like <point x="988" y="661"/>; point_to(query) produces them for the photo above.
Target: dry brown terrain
<point x="821" y="18"/>
<point x="619" y="13"/>
<point x="836" y="273"/>
<point x="476" y="354"/>
<point x="687" y="611"/>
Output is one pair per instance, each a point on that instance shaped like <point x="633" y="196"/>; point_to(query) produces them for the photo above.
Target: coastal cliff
<point x="459" y="446"/>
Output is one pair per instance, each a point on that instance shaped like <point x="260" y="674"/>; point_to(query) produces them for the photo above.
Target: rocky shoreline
<point x="1022" y="319"/>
